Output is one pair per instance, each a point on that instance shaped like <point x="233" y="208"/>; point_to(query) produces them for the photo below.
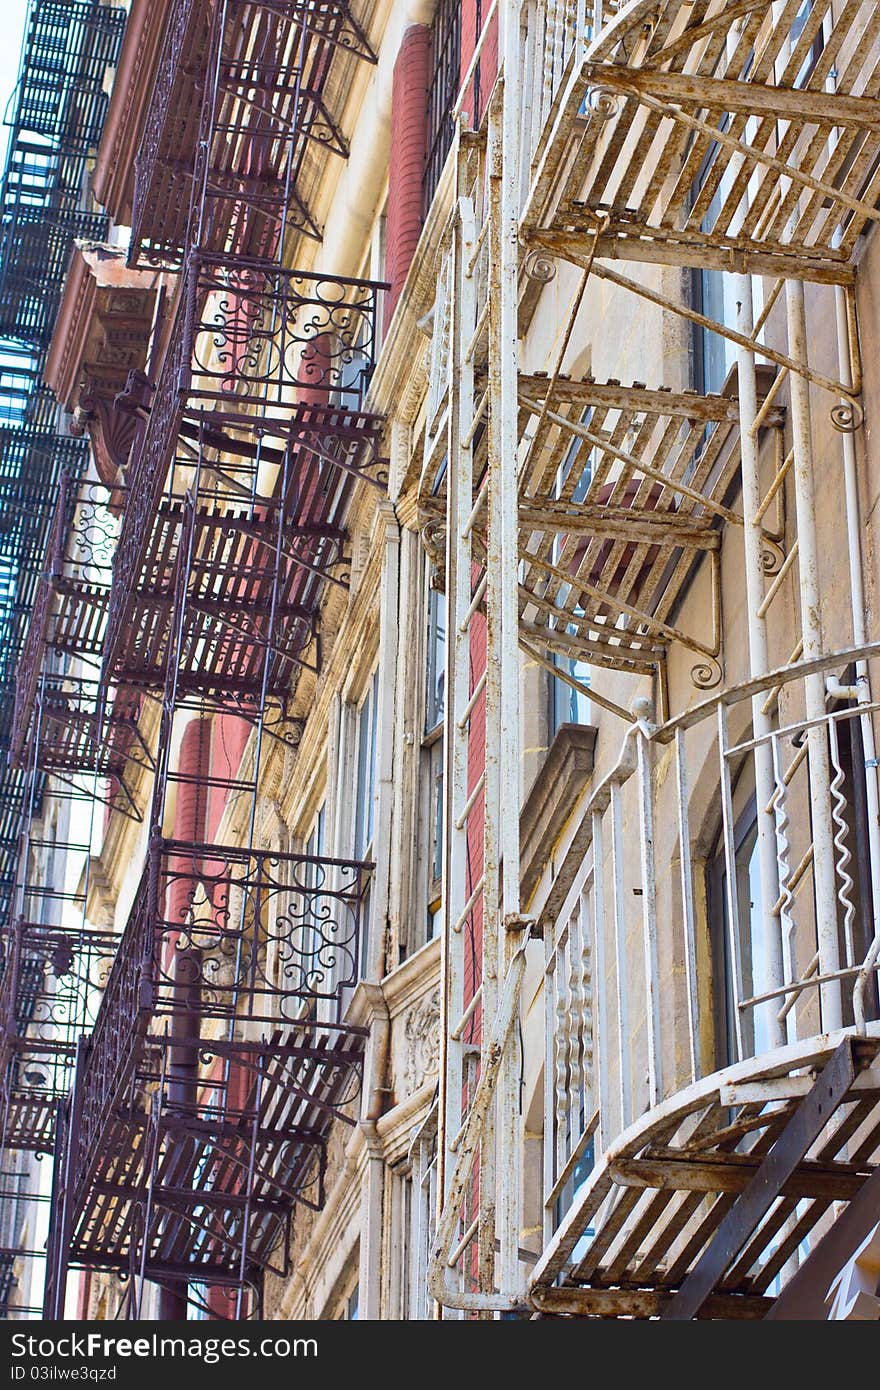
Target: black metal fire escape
<point x="220" y="1056"/>
<point x="49" y="974"/>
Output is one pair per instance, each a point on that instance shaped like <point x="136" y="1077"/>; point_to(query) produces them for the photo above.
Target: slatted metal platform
<point x="698" y="1207"/>
<point x="186" y="1185"/>
<point x="658" y="110"/>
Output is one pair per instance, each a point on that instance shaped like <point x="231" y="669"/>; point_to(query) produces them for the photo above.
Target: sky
<point x="13" y="14"/>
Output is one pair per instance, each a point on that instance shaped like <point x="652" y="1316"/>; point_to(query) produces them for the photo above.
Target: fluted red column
<point x="182" y="961"/>
<point x="409" y="119"/>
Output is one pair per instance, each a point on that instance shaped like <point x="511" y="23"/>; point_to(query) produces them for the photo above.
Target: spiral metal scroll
<point x="51" y="986"/>
<point x="707" y="673"/>
<point x="602" y="104"/>
<point x="847" y="417"/>
<point x="540" y="267"/>
<point x="772" y="556"/>
<point x="91" y="537"/>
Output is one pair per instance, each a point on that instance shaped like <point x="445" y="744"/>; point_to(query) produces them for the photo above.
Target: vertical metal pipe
<point x="497" y="696"/>
<point x="183" y="1086"/>
<point x="687" y="903"/>
<point x="824" y="880"/>
<point x="649" y="922"/>
<point x="624" y="1063"/>
<point x="731" y="898"/>
<point x="600" y="1038"/>
<point x="770" y="973"/>
<point x="509" y="732"/>
<point x="461" y="290"/>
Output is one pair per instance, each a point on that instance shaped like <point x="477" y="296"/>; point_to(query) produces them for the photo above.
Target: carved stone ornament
<point x="422" y="1034"/>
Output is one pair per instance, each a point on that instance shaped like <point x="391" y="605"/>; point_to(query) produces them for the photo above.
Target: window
<point x="713" y="296"/>
<point x="435" y="693"/>
<point x="567" y="704"/>
<point x="432" y="747"/>
<point x="749" y="942"/>
<point x="445" y="71"/>
<point x="365" y="790"/>
<point x="417" y="1206"/>
<point x="573" y="481"/>
<point x="365" y="732"/>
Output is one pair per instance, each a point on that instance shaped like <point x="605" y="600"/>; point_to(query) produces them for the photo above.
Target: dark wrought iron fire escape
<point x="50" y="974"/>
<point x="220" y="1056"/>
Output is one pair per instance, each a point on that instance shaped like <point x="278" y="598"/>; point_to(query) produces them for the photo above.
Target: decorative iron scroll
<point x="260" y="334"/>
<point x="255" y="351"/>
<point x="250" y="932"/>
<point x="50" y="990"/>
<point x="222" y="933"/>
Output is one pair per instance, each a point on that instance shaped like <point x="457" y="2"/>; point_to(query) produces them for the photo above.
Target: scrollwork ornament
<point x="539" y="267"/>
<point x="772" y="556"/>
<point x="707" y="673"/>
<point x="603" y="104"/>
<point x="847" y="417"/>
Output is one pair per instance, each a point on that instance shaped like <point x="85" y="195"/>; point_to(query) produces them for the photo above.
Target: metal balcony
<point x="621" y="494"/>
<point x="222" y="172"/>
<point x="49" y="991"/>
<point x="84" y="746"/>
<point x="189" y="1142"/>
<point x="656" y="99"/>
<point x="60" y="108"/>
<point x="259" y="414"/>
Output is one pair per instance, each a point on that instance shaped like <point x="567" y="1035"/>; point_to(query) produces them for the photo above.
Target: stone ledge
<point x="560" y="781"/>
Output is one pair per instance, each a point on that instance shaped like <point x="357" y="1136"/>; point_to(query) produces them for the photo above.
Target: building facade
<point x="445" y="875"/>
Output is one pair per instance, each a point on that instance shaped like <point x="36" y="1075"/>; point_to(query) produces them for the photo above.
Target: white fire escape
<point x="721" y="135"/>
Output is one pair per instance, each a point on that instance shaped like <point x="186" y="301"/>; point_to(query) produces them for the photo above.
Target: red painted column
<point x="191" y="812"/>
<point x="409" y="121"/>
<point x="190" y="820"/>
<point x="239" y="1086"/>
<point x="229" y="736"/>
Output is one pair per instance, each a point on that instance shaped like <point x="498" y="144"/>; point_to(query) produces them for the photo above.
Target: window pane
<point x="567" y="705"/>
<point x="436" y="672"/>
<point x="366" y="769"/>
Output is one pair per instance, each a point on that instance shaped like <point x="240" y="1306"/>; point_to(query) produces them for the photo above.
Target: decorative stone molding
<point x="101" y="904"/>
<point x="422" y="1034"/>
<point x="103" y="333"/>
<point x="113" y="178"/>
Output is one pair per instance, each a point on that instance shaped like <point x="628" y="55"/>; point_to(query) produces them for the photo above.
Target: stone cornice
<point x="113" y="178"/>
<point x="101" y="337"/>
<point x="93" y="268"/>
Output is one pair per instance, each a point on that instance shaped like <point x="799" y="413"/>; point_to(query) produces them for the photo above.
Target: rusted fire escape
<point x="51" y="968"/>
<point x="220" y="1056"/>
